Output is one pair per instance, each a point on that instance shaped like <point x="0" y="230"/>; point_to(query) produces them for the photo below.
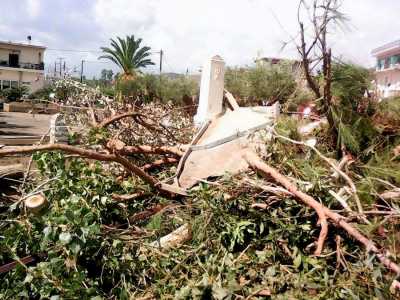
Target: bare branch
<point x="131" y="167"/>
<point x="323" y="212"/>
<point x="116" y="118"/>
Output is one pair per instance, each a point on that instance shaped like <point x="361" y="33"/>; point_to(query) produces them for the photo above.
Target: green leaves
<point x="236" y="234"/>
<point x="127" y="54"/>
<point x="261" y="83"/>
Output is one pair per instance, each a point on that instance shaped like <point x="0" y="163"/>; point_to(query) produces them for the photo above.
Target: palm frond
<point x="127" y="54"/>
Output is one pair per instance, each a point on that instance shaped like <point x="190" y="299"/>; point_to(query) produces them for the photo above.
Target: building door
<point x="13" y="60"/>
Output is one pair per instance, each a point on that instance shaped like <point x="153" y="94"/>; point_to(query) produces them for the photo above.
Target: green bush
<point x="387" y="116"/>
<point x="14" y="94"/>
<point x="261" y="83"/>
<point x="176" y="89"/>
<point x="43" y="93"/>
<point x="351" y="110"/>
<point x="271" y="83"/>
<point x="130" y="88"/>
<point x="298" y="98"/>
<point x="236" y="82"/>
<point x="151" y="87"/>
<point x="108" y="91"/>
<point x="349" y="83"/>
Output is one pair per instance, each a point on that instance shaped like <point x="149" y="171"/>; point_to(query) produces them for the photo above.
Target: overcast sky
<point x="189" y="31"/>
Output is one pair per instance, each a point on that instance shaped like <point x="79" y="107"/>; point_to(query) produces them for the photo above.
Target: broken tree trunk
<point x="35" y="203"/>
<point x="174" y="239"/>
<point x="323" y="212"/>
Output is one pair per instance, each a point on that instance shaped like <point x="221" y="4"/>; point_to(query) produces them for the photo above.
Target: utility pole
<point x="60" y="59"/>
<point x="161" y="61"/>
<point x="161" y="58"/>
<point x="82" y="70"/>
<point x="55" y="69"/>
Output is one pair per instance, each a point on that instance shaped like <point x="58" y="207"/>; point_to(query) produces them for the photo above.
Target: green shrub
<point x="108" y="91"/>
<point x="176" y="89"/>
<point x="14" y="94"/>
<point x="43" y="93"/>
<point x="130" y="88"/>
<point x="236" y="82"/>
<point x="151" y="87"/>
<point x="273" y="84"/>
<point x="260" y="83"/>
<point x="349" y="83"/>
<point x="298" y="98"/>
<point x="387" y="116"/>
<point x="351" y="110"/>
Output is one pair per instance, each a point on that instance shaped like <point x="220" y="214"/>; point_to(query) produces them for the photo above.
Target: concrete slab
<point x="220" y="147"/>
<point x="240" y="120"/>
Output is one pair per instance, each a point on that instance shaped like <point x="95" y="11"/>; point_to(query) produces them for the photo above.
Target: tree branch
<point x="323" y="212"/>
<point x="131" y="167"/>
<point x="257" y="164"/>
<point x="158" y="163"/>
<point x="129" y="150"/>
<point x="116" y="118"/>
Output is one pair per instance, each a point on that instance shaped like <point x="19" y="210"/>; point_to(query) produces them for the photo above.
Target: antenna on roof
<point x="29" y="38"/>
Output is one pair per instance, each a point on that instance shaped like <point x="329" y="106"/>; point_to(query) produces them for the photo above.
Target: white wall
<point x="388" y="83"/>
<point x="35" y="79"/>
<point x="26" y="54"/>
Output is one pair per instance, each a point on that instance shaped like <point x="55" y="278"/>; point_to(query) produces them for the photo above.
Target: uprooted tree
<point x="108" y="147"/>
<point x="100" y="220"/>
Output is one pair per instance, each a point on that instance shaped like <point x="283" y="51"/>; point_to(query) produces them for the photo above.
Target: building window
<point x="381" y="64"/>
<point x="13" y="60"/>
<point x="14" y="84"/>
<point x="387" y="62"/>
<point x="394" y="60"/>
<point x="6" y="84"/>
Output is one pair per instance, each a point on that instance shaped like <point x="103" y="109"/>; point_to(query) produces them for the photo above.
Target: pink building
<point x="388" y="69"/>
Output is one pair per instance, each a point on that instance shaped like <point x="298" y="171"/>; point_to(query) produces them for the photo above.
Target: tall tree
<point x="128" y="55"/>
<point x="104" y="75"/>
<point x="320" y="16"/>
<point x="110" y="75"/>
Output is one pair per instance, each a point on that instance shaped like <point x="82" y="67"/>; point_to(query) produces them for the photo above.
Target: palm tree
<point x="128" y="55"/>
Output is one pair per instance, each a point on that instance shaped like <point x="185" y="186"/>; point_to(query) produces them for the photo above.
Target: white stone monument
<point x="211" y="90"/>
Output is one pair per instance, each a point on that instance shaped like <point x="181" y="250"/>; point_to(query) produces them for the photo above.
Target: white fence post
<point x="211" y="90"/>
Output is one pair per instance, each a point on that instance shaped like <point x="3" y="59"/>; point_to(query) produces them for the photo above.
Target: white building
<point x="21" y="65"/>
<point x="387" y="73"/>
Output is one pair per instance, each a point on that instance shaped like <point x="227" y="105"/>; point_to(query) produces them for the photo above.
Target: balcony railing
<point x="388" y="67"/>
<point x="29" y="66"/>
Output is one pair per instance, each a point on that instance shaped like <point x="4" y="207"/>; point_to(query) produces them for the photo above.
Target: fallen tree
<point x="323" y="212"/>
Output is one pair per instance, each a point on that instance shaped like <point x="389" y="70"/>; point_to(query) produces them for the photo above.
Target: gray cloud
<point x="190" y="31"/>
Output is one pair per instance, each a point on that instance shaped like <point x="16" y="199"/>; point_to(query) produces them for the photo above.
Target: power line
<point x="73" y="50"/>
<point x="86" y="51"/>
<point x="160" y="53"/>
<point x="99" y="62"/>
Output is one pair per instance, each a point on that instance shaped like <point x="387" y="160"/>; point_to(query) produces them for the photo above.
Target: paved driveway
<point x="22" y="128"/>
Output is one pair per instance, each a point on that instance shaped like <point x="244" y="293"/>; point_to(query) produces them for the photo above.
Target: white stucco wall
<point x="32" y="80"/>
<point x="388" y="83"/>
<point x="27" y="54"/>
